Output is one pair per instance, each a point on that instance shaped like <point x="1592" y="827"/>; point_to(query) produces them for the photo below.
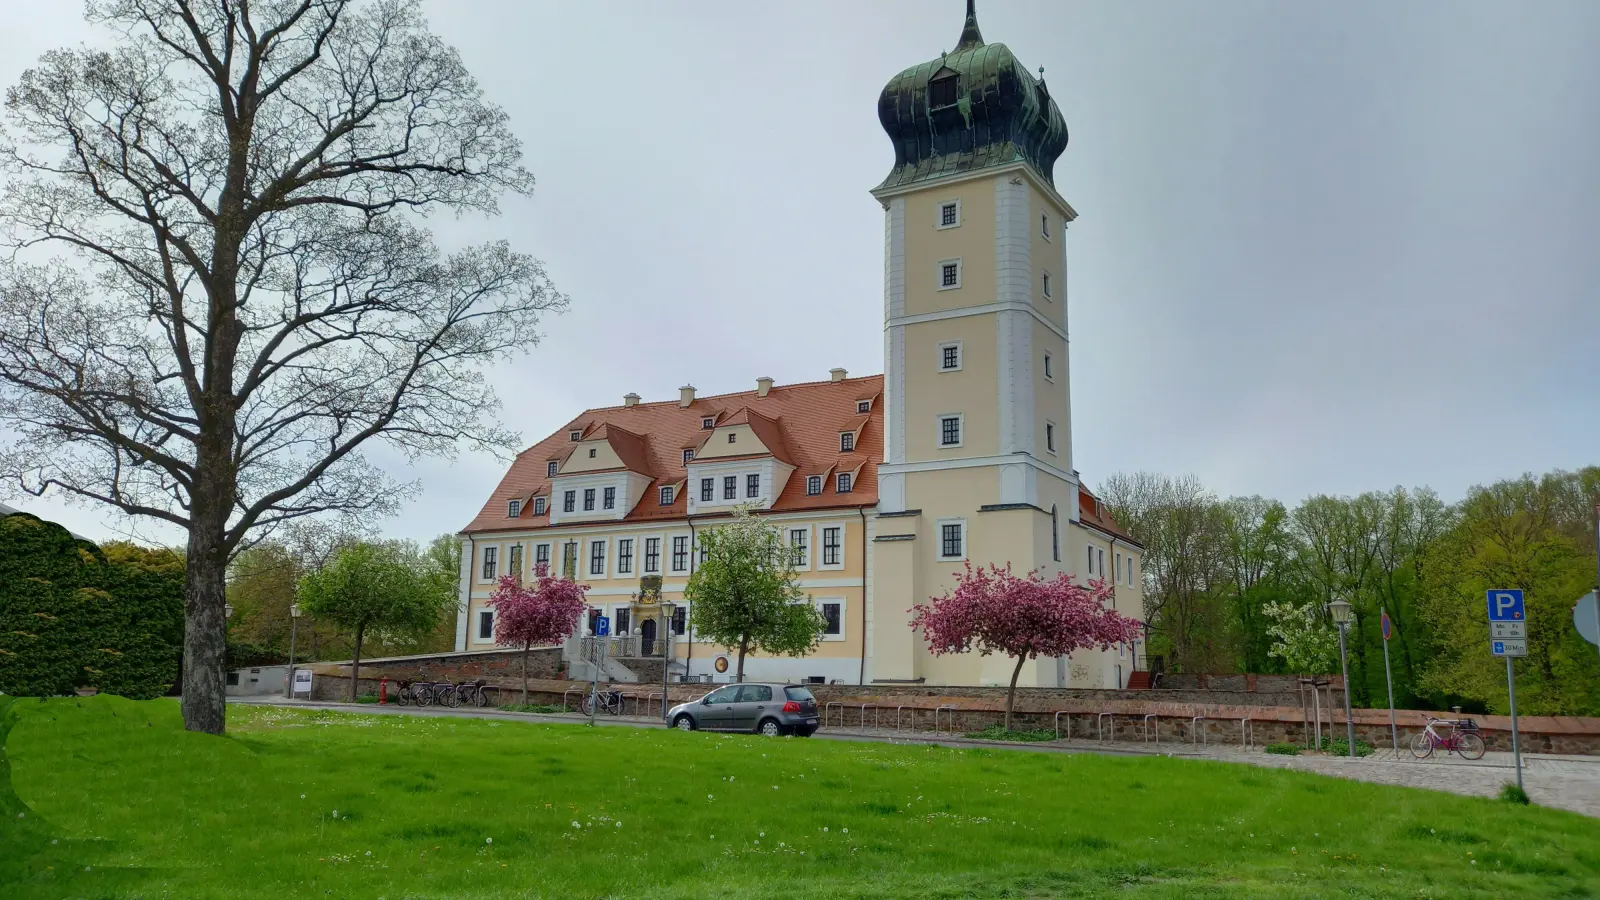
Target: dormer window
<point x="666" y="495"/>
<point x="842" y="485"/>
<point x="688" y="455"/>
<point x="847" y="441"/>
<point x="538" y="506"/>
<point x="550" y="469"/>
<point x="574" y="435"/>
<point x="707" y="423"/>
<point x="813" y="485"/>
<point x="943" y="91"/>
<point x="513" y="509"/>
<point x="591" y="452"/>
<point x="863" y="407"/>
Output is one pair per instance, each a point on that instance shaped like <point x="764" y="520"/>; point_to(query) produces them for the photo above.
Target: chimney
<point x="837" y="374"/>
<point x="763" y="386"/>
<point x="630" y="399"/>
<point x="685" y="396"/>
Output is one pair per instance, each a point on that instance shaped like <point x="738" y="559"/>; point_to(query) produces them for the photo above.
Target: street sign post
<point x="1388" y="681"/>
<point x="602" y="647"/>
<point x="1506" y="609"/>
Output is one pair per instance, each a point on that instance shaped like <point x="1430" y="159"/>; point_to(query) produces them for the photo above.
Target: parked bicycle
<point x="469" y="692"/>
<point x="1460" y="736"/>
<point x="610" y="701"/>
<point x="424" y="693"/>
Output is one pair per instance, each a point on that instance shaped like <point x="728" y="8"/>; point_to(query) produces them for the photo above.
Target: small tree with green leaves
<point x="745" y="595"/>
<point x="386" y="588"/>
<point x="1301" y="637"/>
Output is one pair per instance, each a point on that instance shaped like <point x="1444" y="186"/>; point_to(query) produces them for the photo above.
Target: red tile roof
<point x="1093" y="513"/>
<point x="799" y="423"/>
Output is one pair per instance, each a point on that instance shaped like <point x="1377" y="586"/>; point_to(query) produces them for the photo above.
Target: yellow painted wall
<point x="926" y="245"/>
<point x="970" y="391"/>
<point x="579" y="461"/>
<point x="745" y="443"/>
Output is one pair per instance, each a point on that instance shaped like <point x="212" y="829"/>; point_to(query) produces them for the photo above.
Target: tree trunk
<point x="744" y="643"/>
<point x="1011" y="695"/>
<point x="205" y="625"/>
<point x="355" y="664"/>
<point x="524" y="674"/>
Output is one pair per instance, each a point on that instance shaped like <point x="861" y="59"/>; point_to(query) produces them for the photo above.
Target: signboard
<point x="1509" y="648"/>
<point x="302" y="681"/>
<point x="1516" y="630"/>
<point x="721" y="664"/>
<point x="1583" y="618"/>
<point x="602" y="626"/>
<point x="1505" y="605"/>
<point x="1384" y="625"/>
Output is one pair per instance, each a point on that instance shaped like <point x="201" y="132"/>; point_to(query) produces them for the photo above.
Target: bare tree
<point x="221" y="288"/>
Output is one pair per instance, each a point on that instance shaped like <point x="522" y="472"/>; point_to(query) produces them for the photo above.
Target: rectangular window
<point x="1044" y="227"/>
<point x="652" y="556"/>
<point x="947" y="214"/>
<point x="833" y="617"/>
<point x="538" y="506"/>
<point x="708" y="423"/>
<point x="574" y="435"/>
<point x="625" y="556"/>
<point x="943" y="91"/>
<point x="1050" y="437"/>
<point x="847" y="442"/>
<point x="951" y="543"/>
<point x="541" y="555"/>
<point x="680" y="619"/>
<point x="949" y="275"/>
<point x="832" y="544"/>
<point x="733" y="436"/>
<point x="666" y="495"/>
<point x="730" y="487"/>
<point x="619" y="620"/>
<point x="680" y="554"/>
<point x="752" y="485"/>
<point x="1046" y="284"/>
<point x="485" y="624"/>
<point x="1130" y="571"/>
<point x="688" y="455"/>
<point x="588" y="499"/>
<point x="591" y="452"/>
<point x="708" y="488"/>
<point x="610" y="501"/>
<point x="863" y="407"/>
<point x="1116" y="563"/>
<point x="797" y="546"/>
<point x="514" y="561"/>
<point x="1102" y="560"/>
<point x="550" y="469"/>
<point x="597" y="557"/>
<point x="1091" y="562"/>
<point x="569" y="501"/>
<point x="702" y="551"/>
<point x="949" y="430"/>
<point x="949" y="357"/>
<point x="513" y="509"/>
<point x="842" y="483"/>
<point x="569" y="560"/>
<point x="491" y="562"/>
<point x="813" y="485"/>
<point x="1049" y="367"/>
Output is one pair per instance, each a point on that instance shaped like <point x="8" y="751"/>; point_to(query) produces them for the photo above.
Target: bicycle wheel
<point x="448" y="696"/>
<point x="400" y="696"/>
<point x="1469" y="745"/>
<point x="1422" y="745"/>
<point x="480" y="698"/>
<point x="423" y="694"/>
<point x="587" y="706"/>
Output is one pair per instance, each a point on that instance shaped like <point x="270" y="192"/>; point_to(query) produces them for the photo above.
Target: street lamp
<point x="294" y="627"/>
<point x="668" y="610"/>
<point x="1340" y="610"/>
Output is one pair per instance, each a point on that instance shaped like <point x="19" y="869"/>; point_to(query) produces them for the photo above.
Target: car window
<point x="755" y="693"/>
<point x="722" y="695"/>
<point x="799" y="693"/>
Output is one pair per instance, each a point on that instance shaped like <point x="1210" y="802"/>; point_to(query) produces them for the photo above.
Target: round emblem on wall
<point x="721" y="665"/>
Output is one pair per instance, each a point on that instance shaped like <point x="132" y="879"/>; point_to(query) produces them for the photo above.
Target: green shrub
<point x="367" y="698"/>
<point x="530" y="708"/>
<point x="999" y="733"/>
<point x="1284" y="749"/>
<point x="1341" y="747"/>
<point x="1510" y="793"/>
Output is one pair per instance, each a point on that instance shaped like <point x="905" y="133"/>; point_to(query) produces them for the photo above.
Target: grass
<point x="543" y="708"/>
<point x="119" y="802"/>
<point x="999" y="733"/>
<point x="1510" y="792"/>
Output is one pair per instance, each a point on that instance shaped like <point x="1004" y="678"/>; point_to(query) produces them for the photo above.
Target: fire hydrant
<point x="383" y="691"/>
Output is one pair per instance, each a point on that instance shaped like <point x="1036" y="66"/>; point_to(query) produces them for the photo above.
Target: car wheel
<point x="769" y="728"/>
<point x="683" y="723"/>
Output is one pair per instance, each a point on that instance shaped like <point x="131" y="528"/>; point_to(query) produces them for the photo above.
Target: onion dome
<point x="971" y="108"/>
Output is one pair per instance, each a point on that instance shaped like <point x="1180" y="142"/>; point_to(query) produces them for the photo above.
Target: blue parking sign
<point x="602" y="626"/>
<point x="1505" y="605"/>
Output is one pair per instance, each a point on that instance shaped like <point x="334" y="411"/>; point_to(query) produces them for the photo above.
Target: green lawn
<point x="120" y="802"/>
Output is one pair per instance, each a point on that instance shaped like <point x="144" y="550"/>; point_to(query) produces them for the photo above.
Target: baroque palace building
<point x="885" y="485"/>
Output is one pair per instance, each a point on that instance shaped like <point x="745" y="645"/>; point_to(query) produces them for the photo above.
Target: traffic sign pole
<point x="1388" y="681"/>
<point x="1516" y="747"/>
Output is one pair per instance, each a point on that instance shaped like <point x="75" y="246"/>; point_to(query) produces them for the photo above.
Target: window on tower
<point x="950" y="356"/>
<point x="949" y="275"/>
<point x="949" y="215"/>
<point x="943" y="91"/>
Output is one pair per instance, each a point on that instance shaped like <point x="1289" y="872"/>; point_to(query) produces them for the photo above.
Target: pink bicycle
<point x="1460" y="736"/>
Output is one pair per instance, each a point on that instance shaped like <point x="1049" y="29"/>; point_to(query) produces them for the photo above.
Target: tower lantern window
<point x="943" y="91"/>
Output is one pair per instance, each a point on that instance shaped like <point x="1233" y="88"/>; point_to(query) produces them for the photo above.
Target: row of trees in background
<point x="1241" y="584"/>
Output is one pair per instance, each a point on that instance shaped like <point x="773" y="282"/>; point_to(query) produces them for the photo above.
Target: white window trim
<point x="1049" y="368"/>
<point x="844" y="547"/>
<point x="661" y="559"/>
<point x="1050" y="437"/>
<point x="588" y="565"/>
<point x="938" y="430"/>
<point x="820" y="485"/>
<point x="541" y="506"/>
<point x="551" y="468"/>
<point x="533" y="562"/>
<point x="961" y="357"/>
<point x="805" y="564"/>
<point x="1044" y="225"/>
<point x="498" y="563"/>
<point x="669" y="551"/>
<point x="844" y="617"/>
<point x="662" y="492"/>
<point x="847" y="475"/>
<point x="688" y="454"/>
<point x="852" y="436"/>
<point x="574" y="435"/>
<point x="477" y="628"/>
<point x="1044" y="280"/>
<point x="860" y="411"/>
<point x="938" y="538"/>
<point x="938" y="214"/>
<point x="633" y="556"/>
<point x="938" y="274"/>
<point x="513" y="509"/>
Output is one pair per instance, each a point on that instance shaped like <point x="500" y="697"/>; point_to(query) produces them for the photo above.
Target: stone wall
<point x="493" y="665"/>
<point x="1031" y="698"/>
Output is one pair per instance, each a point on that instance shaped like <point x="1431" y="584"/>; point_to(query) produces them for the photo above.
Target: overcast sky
<point x="1321" y="248"/>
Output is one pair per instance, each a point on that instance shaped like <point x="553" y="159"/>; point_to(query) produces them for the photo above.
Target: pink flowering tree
<point x="994" y="611"/>
<point x="544" y="613"/>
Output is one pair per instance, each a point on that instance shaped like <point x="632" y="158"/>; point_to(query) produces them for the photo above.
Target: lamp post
<point x="668" y="610"/>
<point x="294" y="627"/>
<point x="1340" y="610"/>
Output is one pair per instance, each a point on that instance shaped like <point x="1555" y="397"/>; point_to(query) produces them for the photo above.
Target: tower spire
<point x="971" y="37"/>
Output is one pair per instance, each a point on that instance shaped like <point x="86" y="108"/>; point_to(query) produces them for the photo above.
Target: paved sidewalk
<point x="1562" y="782"/>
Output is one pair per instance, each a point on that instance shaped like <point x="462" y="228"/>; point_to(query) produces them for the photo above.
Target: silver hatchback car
<point x="769" y="709"/>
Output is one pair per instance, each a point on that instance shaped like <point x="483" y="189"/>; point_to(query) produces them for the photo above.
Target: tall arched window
<point x="1055" y="534"/>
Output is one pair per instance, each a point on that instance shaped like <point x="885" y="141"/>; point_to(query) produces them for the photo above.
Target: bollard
<point x="383" y="691"/>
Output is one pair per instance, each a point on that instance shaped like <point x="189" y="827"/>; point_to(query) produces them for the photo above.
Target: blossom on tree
<point x="993" y="610"/>
<point x="546" y="613"/>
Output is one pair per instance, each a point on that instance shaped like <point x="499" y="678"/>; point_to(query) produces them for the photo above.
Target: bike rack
<point x="579" y="691"/>
<point x="952" y="717"/>
<point x="1195" y="730"/>
<point x="1058" y="724"/>
<point x="898" y="710"/>
<point x="651" y="699"/>
<point x="876" y="715"/>
<point x="1099" y="726"/>
<point x="1152" y="728"/>
<point x="827" y="709"/>
<point x="1246" y="732"/>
